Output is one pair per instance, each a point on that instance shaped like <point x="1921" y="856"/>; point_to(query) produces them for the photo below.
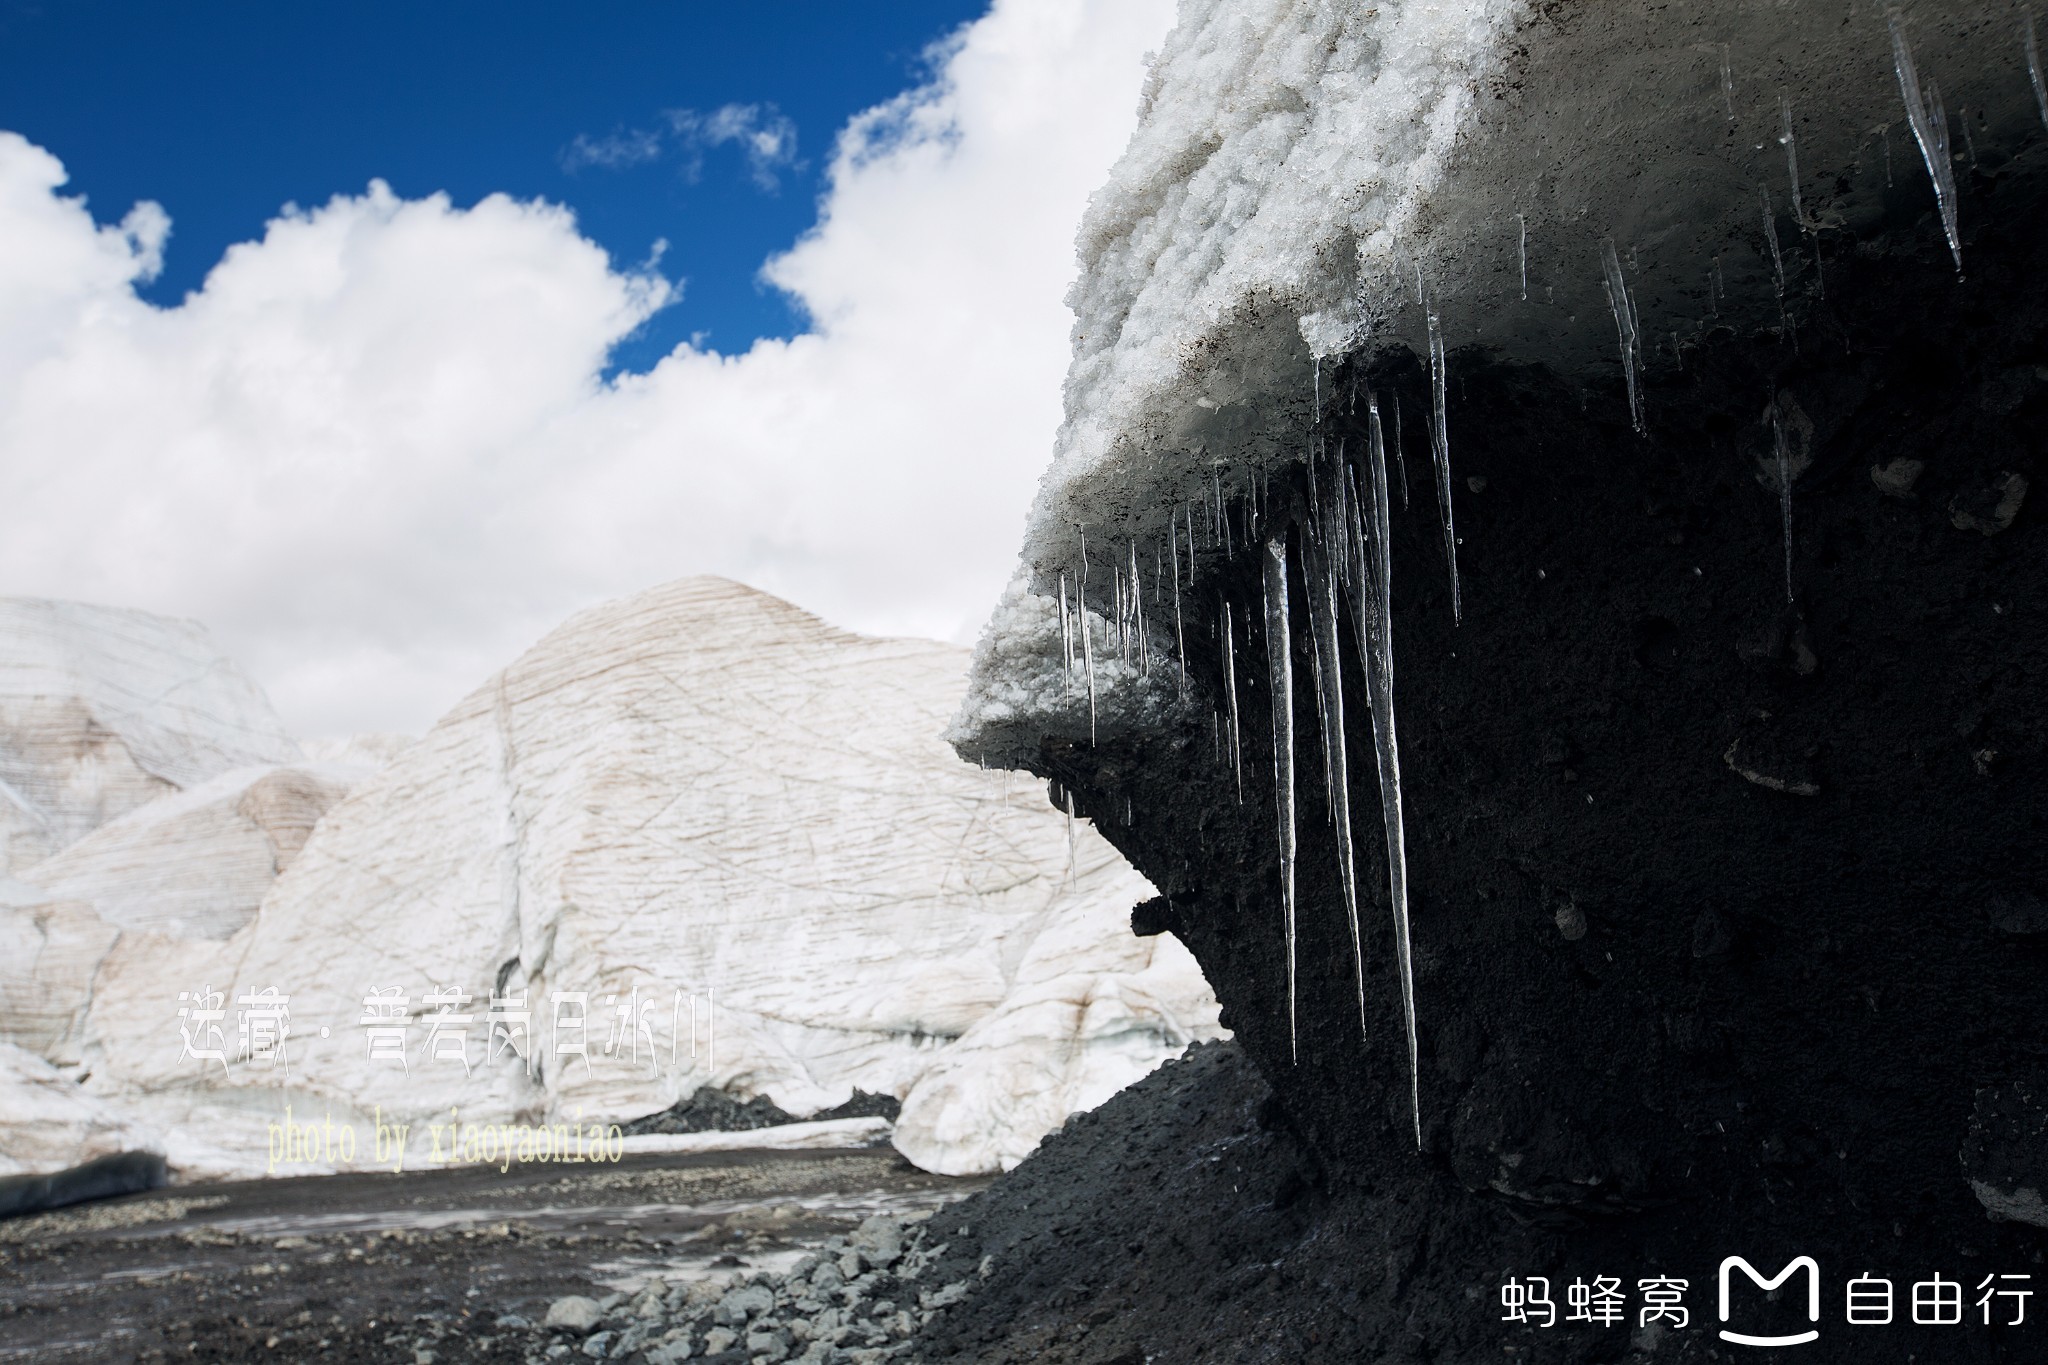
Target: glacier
<point x="701" y="802"/>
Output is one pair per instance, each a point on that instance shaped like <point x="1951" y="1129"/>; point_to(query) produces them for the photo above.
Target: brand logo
<point x="1805" y="1263"/>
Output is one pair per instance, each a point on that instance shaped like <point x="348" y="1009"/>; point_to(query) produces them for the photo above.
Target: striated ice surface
<point x="696" y="799"/>
<point x="103" y="709"/>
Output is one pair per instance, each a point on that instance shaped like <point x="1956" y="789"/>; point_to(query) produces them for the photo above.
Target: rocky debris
<point x="1990" y="508"/>
<point x="709" y="1110"/>
<point x="2005" y="1153"/>
<point x="1749" y="760"/>
<point x="859" y="1299"/>
<point x="1895" y="478"/>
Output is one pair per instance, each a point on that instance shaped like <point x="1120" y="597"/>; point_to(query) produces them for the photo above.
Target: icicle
<point x="1069" y="792"/>
<point x="1400" y="448"/>
<point x="1230" y="687"/>
<point x="1440" y="443"/>
<point x="2034" y="70"/>
<point x="1180" y="644"/>
<point x="1522" y="220"/>
<point x="1791" y="144"/>
<point x="1066" y="640"/>
<point x="1375" y="628"/>
<point x="1784" y="493"/>
<point x="1087" y="639"/>
<point x="1777" y="257"/>
<point x="1625" y="324"/>
<point x="1969" y="143"/>
<point x="1930" y="129"/>
<point x="1280" y="664"/>
<point x="1885" y="135"/>
<point x="1322" y="570"/>
<point x="1138" y="615"/>
<point x="1727" y="83"/>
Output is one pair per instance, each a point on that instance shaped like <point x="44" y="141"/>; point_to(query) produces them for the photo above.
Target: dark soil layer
<point x="1727" y="914"/>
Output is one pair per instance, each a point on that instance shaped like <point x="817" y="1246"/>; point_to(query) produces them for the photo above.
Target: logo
<point x="1805" y="1263"/>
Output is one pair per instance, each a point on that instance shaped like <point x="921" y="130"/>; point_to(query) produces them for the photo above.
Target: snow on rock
<point x="47" y="1122"/>
<point x="1310" y="181"/>
<point x="697" y="799"/>
<point x="103" y="710"/>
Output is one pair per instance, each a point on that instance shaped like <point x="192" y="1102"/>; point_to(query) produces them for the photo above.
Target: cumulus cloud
<point x="376" y="453"/>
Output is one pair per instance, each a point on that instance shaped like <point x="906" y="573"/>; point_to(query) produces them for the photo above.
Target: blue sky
<point x="387" y="441"/>
<point x="223" y="113"/>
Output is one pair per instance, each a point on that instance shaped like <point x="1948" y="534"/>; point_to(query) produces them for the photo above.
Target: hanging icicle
<point x="1325" y="566"/>
<point x="1087" y="639"/>
<point x="1230" y="689"/>
<point x="1629" y="327"/>
<point x="1440" y="448"/>
<point x="1929" y="122"/>
<point x="1280" y="670"/>
<point x="1374" y="624"/>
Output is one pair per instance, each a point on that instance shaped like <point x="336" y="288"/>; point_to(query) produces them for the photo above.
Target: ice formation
<point x="1314" y="183"/>
<point x="697" y="802"/>
<point x="102" y="710"/>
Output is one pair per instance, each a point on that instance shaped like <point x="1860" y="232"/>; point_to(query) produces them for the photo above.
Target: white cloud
<point x="375" y="454"/>
<point x="764" y="135"/>
<point x="616" y="150"/>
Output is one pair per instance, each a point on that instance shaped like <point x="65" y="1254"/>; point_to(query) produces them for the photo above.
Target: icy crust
<point x="1029" y="689"/>
<point x="1589" y="186"/>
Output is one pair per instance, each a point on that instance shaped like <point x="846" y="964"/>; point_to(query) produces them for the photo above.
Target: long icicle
<point x="1230" y="686"/>
<point x="1180" y="644"/>
<point x="1440" y="447"/>
<point x="1930" y="129"/>
<point x="1376" y="627"/>
<point x="1625" y="324"/>
<point x="1280" y="669"/>
<point x="1322" y="566"/>
<point x="1087" y="638"/>
<point x="1066" y="640"/>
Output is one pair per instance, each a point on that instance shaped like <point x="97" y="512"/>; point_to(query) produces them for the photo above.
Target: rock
<point x="597" y="1345"/>
<point x="771" y="1344"/>
<point x="573" y="1313"/>
<point x="1778" y="772"/>
<point x="2024" y="916"/>
<point x="1571" y="922"/>
<point x="880" y="1239"/>
<point x="744" y="1303"/>
<point x="850" y="1264"/>
<point x="2005" y="1153"/>
<point x="1990" y="508"/>
<point x="1895" y="479"/>
<point x="102" y="1178"/>
<point x="719" y="1340"/>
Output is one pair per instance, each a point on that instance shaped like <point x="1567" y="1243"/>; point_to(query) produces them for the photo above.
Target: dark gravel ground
<point x="394" y="1268"/>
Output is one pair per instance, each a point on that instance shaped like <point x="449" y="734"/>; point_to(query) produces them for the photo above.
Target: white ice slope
<point x="103" y="710"/>
<point x="701" y="798"/>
